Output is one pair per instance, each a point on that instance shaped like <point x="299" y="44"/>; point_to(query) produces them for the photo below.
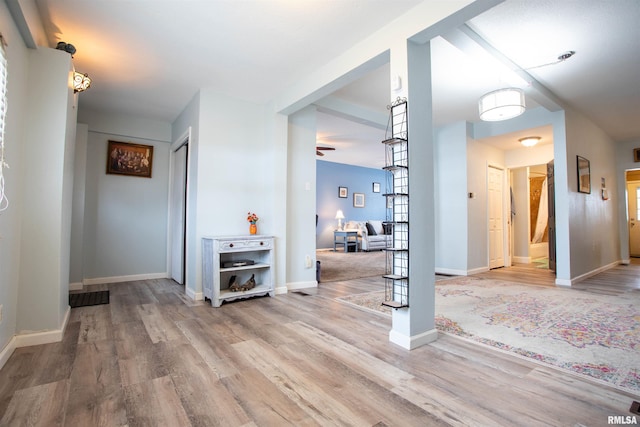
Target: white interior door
<point x="633" y="191"/>
<point x="177" y="212"/>
<point x="496" y="217"/>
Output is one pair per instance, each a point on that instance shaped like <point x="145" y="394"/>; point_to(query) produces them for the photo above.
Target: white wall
<point x="76" y="273"/>
<point x="301" y="208"/>
<point x="10" y="219"/>
<point x="125" y="218"/>
<point x="520" y="221"/>
<point x="48" y="156"/>
<point x="235" y="172"/>
<point x="527" y="156"/>
<point x="451" y="207"/>
<point x="593" y="227"/>
<point x="479" y="157"/>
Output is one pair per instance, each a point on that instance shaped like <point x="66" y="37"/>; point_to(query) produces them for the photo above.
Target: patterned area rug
<point x="593" y="335"/>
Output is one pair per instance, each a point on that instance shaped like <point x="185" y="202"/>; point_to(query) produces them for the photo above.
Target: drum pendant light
<point x="501" y="104"/>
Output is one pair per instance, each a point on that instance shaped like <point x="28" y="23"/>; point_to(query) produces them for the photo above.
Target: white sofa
<point x="368" y="240"/>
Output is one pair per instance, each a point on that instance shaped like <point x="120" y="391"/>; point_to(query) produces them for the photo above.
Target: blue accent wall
<point x="357" y="179"/>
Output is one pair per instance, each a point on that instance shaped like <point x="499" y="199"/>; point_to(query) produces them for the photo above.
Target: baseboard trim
<point x="477" y="270"/>
<point x="302" y="285"/>
<point x="77" y="286"/>
<point x="44" y="337"/>
<point x="196" y="296"/>
<point x="415" y="341"/>
<point x="281" y="290"/>
<point x="451" y="272"/>
<point x="522" y="259"/>
<point x="7" y="351"/>
<point x="567" y="283"/>
<point x="120" y="279"/>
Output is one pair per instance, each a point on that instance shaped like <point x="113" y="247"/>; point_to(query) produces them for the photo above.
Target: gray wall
<point x="125" y="218"/>
<point x="593" y="226"/>
<point x="10" y="219"/>
<point x="451" y="208"/>
<point x="48" y="178"/>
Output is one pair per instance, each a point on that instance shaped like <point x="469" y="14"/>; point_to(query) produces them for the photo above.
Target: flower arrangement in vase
<point x="252" y="218"/>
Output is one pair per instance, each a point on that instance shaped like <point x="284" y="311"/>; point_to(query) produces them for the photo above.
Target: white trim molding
<point x="7" y="351"/>
<point x="196" y="296"/>
<point x="567" y="283"/>
<point x="281" y="290"/>
<point x="120" y="279"/>
<point x="522" y="259"/>
<point x="77" y="286"/>
<point x="451" y="271"/>
<point x="34" y="338"/>
<point x="415" y="341"/>
<point x="301" y="285"/>
<point x="477" y="270"/>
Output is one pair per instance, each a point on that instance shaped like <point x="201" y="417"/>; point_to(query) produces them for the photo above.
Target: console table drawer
<point x="244" y="245"/>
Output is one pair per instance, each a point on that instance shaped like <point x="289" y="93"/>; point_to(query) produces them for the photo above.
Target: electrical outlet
<point x="307" y="261"/>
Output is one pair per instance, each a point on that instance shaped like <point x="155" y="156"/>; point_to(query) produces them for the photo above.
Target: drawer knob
<point x="261" y="243"/>
<point x="230" y="245"/>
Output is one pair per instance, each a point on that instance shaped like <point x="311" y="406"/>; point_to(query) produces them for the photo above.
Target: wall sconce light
<point x="81" y="82"/>
<point x="530" y="141"/>
<point x="67" y="47"/>
<point x="501" y="104"/>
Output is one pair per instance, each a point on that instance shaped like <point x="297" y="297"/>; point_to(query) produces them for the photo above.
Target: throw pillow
<point x="370" y="230"/>
<point x="388" y="228"/>
<point x="377" y="226"/>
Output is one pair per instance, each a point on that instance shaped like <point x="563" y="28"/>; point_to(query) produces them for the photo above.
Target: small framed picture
<point x="584" y="175"/>
<point x="343" y="192"/>
<point x="636" y="154"/>
<point x="376" y="187"/>
<point x="124" y="158"/>
<point x="358" y="200"/>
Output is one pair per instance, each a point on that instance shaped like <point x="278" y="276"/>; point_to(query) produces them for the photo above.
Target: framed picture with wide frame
<point x="343" y="192"/>
<point x="358" y="200"/>
<point x="584" y="175"/>
<point x="125" y="158"/>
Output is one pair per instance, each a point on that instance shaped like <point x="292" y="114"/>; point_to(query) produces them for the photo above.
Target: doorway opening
<point x="633" y="207"/>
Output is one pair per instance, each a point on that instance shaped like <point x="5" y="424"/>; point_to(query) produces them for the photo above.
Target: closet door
<point x="177" y="213"/>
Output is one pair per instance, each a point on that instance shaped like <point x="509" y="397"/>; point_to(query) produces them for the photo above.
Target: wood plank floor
<point x="154" y="358"/>
<point x="614" y="281"/>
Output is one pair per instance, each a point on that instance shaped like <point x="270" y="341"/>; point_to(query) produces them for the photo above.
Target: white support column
<point x="301" y="200"/>
<point x="415" y="326"/>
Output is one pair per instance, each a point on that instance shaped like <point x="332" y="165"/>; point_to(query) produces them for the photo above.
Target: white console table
<point x="240" y="256"/>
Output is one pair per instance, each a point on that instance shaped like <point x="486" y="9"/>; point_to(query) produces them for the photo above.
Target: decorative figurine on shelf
<point x="252" y="218"/>
<point x="237" y="287"/>
<point x="233" y="285"/>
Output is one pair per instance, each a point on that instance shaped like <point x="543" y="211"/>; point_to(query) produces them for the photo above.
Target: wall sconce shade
<point x="530" y="141"/>
<point x="81" y="82"/>
<point x="501" y="104"/>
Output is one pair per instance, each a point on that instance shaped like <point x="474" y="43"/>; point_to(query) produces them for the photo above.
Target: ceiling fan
<point x="319" y="150"/>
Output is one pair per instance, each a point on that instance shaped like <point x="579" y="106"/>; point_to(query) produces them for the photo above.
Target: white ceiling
<point x="602" y="80"/>
<point x="151" y="58"/>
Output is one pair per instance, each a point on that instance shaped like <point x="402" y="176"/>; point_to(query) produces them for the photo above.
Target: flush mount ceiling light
<point x="530" y="141"/>
<point x="501" y="104"/>
<point x="81" y="82"/>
